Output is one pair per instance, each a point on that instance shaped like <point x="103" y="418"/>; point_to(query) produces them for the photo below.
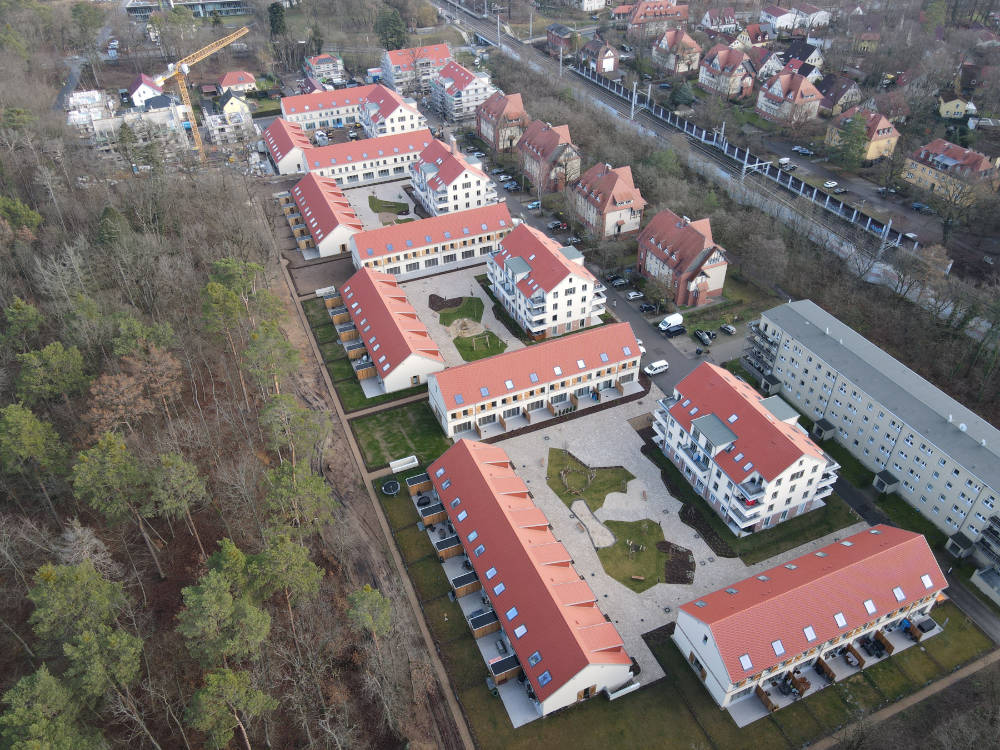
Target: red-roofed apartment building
<point x="325" y="109"/>
<point x="607" y="201"/>
<point x="456" y="92"/>
<point x="286" y="145"/>
<point x="329" y="67"/>
<point x="567" y="649"/>
<point x="445" y="180"/>
<point x="788" y="98"/>
<point x="321" y="218"/>
<point x="543" y="286"/>
<point x="650" y="18"/>
<point x="946" y="167"/>
<point x="237" y="80"/>
<point x="744" y="453"/>
<point x="411" y="70"/>
<point x="501" y="120"/>
<point x="682" y="255"/>
<point x="548" y="157"/>
<point x="727" y="72"/>
<point x="429" y="246"/>
<point x="801" y="624"/>
<point x="383" y="112"/>
<point x="387" y="344"/>
<point x="720" y="19"/>
<point x="676" y="52"/>
<point x="525" y="386"/>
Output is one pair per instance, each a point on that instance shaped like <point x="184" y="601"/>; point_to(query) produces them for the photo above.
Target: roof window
<point x="809" y="633"/>
<point x="700" y="603"/>
<point x="840" y="620"/>
<point x="745" y="662"/>
<point x="520" y="630"/>
<point x="732" y="418"/>
<point x="778" y="646"/>
<point x="508" y="384"/>
<point x="459" y="398"/>
<point x="870" y="607"/>
<point x="731" y="591"/>
<point x="897" y="592"/>
<point x="490" y="573"/>
<point x="926" y="580"/>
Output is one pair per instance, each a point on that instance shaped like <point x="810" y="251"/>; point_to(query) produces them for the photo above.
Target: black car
<point x="674" y="331"/>
<point x="703" y="337"/>
<point x="645" y="307"/>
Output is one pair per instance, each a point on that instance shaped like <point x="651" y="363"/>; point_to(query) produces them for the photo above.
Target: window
<point x="456" y="502"/>
<point x="534" y="658"/>
<point x="462" y="515"/>
<point x="745" y="662"/>
<point x="520" y="630"/>
<point x="898" y="593"/>
<point x="840" y="620"/>
<point x="479" y="550"/>
<point x="926" y="580"/>
<point x="511" y="614"/>
<point x="473" y="536"/>
<point x="870" y="606"/>
<point x="490" y="573"/>
<point x="445" y="484"/>
<point x="809" y="633"/>
<point x="778" y="647"/>
<point x="499" y="588"/>
<point x="544" y="678"/>
<point x="439" y="473"/>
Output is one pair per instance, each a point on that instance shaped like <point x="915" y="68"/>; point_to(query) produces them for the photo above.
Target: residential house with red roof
<point x="382" y="111"/>
<point x="501" y="120"/>
<point x="388" y="346"/>
<point x="727" y="72"/>
<point x="755" y="35"/>
<point x="809" y="16"/>
<point x="143" y="89"/>
<point x="599" y="56"/>
<point x="946" y="168"/>
<point x="565" y="647"/>
<point x="681" y="255"/>
<point x="321" y="218"/>
<point x="325" y="109"/>
<point x="648" y="19"/>
<point x="839" y="93"/>
<point x="788" y="98"/>
<point x="237" y="80"/>
<point x="744" y="453"/>
<point x="881" y="136"/>
<point x="720" y="19"/>
<point x="676" y="52"/>
<point x="445" y="180"/>
<point x="778" y="18"/>
<point x="606" y="201"/>
<point x="411" y="70"/>
<point x="800" y="57"/>
<point x="543" y="286"/>
<point x="763" y="642"/>
<point x="433" y="245"/>
<point x="548" y="156"/>
<point x="559" y="39"/>
<point x="286" y="146"/>
<point x="325" y="67"/>
<point x="456" y="92"/>
<point x="529" y="385"/>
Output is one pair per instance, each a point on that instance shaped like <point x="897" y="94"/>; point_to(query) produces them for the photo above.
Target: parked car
<point x="665" y="85"/>
<point x="511" y="186"/>
<point x="789" y="167"/>
<point x="611" y="277"/>
<point x="501" y="646"/>
<point x="595" y="17"/>
<point x="533" y="205"/>
<point x="830" y="184"/>
<point x="655" y="368"/>
<point x="797" y="149"/>
<point x="554" y="224"/>
<point x="618" y="283"/>
<point x="672" y="331"/>
<point x="646" y="307"/>
<point x="478" y="154"/>
<point x="503" y="177"/>
<point x="647" y="77"/>
<point x="703" y="337"/>
<point x="921" y="207"/>
<point x="642" y="350"/>
<point x="731" y="330"/>
<point x="496" y="170"/>
<point x="807" y="152"/>
<point x="573" y="240"/>
<point x="840" y="191"/>
<point x="634" y="295"/>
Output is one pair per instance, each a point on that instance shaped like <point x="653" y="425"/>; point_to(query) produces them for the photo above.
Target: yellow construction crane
<point x="178" y="73"/>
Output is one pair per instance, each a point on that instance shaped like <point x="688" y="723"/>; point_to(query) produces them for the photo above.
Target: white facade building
<point x="445" y="180"/>
<point x="456" y="92"/>
<point x="383" y="112"/>
<point x="230" y="128"/>
<point x="325" y="109"/>
<point x="411" y="70"/>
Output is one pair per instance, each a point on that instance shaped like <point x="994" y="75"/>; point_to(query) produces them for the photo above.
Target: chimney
<point x="453" y="144"/>
<point x="949" y="419"/>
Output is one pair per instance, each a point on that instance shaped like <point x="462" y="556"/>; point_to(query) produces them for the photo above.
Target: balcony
<point x="695" y="458"/>
<point x="752" y="491"/>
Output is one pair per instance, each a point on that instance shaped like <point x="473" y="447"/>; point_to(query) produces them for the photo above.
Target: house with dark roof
<point x="501" y="120"/>
<point x="544" y="286"/>
<point x="559" y="39"/>
<point x="745" y="454"/>
<point x="606" y="201"/>
<point x="839" y="93"/>
<point x="599" y="56"/>
<point x="445" y="180"/>
<point x="727" y="72"/>
<point x="681" y="255"/>
<point x="677" y="52"/>
<point x="548" y="156"/>
<point x="559" y="648"/>
<point x="762" y="643"/>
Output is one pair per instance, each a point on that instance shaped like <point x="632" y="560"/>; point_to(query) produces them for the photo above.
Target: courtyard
<point x="386" y="192"/>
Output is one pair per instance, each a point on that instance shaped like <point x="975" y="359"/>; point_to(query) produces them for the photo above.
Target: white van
<point x="655" y="368"/>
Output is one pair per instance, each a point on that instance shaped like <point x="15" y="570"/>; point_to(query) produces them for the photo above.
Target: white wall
<point x="611" y="676"/>
<point x="689" y="635"/>
<point x="415" y="365"/>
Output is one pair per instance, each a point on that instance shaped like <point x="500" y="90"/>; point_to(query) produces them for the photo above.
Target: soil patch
<point x="680" y="566"/>
<point x="693" y="518"/>
<point x="465" y="327"/>
<point x="437" y="303"/>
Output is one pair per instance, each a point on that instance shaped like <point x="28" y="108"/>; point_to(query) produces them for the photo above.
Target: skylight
<point x="490" y="573"/>
<point x="732" y="418"/>
<point x="700" y="603"/>
<point x="508" y="384"/>
<point x="456" y="502"/>
<point x="847" y="543"/>
<point x="511" y="614"/>
<point x="462" y="515"/>
<point x="604" y="357"/>
<point x="791" y="566"/>
<point x="520" y="630"/>
<point x="694" y="410"/>
<point x="686" y="402"/>
<point x="533" y="377"/>
<point x="763" y="578"/>
<point x="581" y="364"/>
<point x="747" y="466"/>
<point x="809" y="633"/>
<point x="745" y="662"/>
<point x="738" y="457"/>
<point x="870" y="606"/>
<point x="820" y="554"/>
<point x="627" y="351"/>
<point x="731" y="591"/>
<point x="499" y="589"/>
<point x="897" y="592"/>
<point x="840" y="620"/>
<point x="926" y="580"/>
<point x="484" y="391"/>
<point x="778" y="646"/>
<point x="459" y="399"/>
<point x="557" y="370"/>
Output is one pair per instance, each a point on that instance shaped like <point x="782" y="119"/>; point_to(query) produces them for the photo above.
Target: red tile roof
<point x="236" y="78"/>
<point x="416" y="234"/>
<point x="322" y="100"/>
<point x="729" y="59"/>
<point x="543" y="255"/>
<point x="323" y="59"/>
<point x="449" y="164"/>
<point x="763" y="442"/>
<point x="945" y="155"/>
<point x="775" y="10"/>
<point x="608" y="189"/>
<point x="877" y="127"/>
<point x="323" y="206"/>
<point x="678" y="41"/>
<point x="382" y="102"/>
<point x="780" y="603"/>
<point x="556" y="607"/>
<point x="282" y="137"/>
<point x="438" y="54"/>
<point x="518" y="366"/>
<point x="792" y="87"/>
<point x="756" y="33"/>
<point x="319" y="157"/>
<point x="650" y="11"/>
<point x="507" y="106"/>
<point x="682" y="245"/>
<point x="140" y="79"/>
<point x="458" y="76"/>
<point x="542" y="142"/>
<point x="386" y="322"/>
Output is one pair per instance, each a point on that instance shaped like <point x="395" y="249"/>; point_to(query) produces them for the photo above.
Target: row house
<point x="720" y="19"/>
<point x="599" y="56"/>
<point x="321" y="218"/>
<point x="744" y="453"/>
<point x="445" y="180"/>
<point x="839" y="93"/>
<point x="939" y="456"/>
<point x="544" y="287"/>
<point x="676" y="52"/>
<point x="881" y="136"/>
<point x="558" y="644"/>
<point x="411" y="70"/>
<point x="648" y="19"/>
<point x="325" y="67"/>
<point x="811" y="621"/>
<point x="548" y="157"/>
<point x="457" y="92"/>
<point x="387" y="345"/>
<point x="681" y="255"/>
<point x="433" y="245"/>
<point x="943" y="167"/>
<point x="607" y="202"/>
<point x="230" y="127"/>
<point x="325" y="109"/>
<point x="526" y="386"/>
<point x="382" y="111"/>
<point x="726" y="72"/>
<point x="789" y="99"/>
<point x="501" y="120"/>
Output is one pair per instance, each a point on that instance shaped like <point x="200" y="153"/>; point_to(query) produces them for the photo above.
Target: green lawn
<point x="906" y="516"/>
<point x="917" y="665"/>
<point x="471" y="308"/>
<point x="829" y="708"/>
<point x="315" y="311"/>
<point x="352" y="398"/>
<point x="889" y="680"/>
<point x="399" y="510"/>
<point x="413" y="544"/>
<point x="744" y="301"/>
<point x="331" y="350"/>
<point x="444" y="618"/>
<point x="573" y="480"/>
<point x="380" y="206"/>
<point x="325" y="334"/>
<point x="429" y="579"/>
<point x="397" y="433"/>
<point x="266" y="107"/>
<point x="480" y="346"/>
<point x="340" y="369"/>
<point x="961" y="640"/>
<point x="761" y="545"/>
<point x="851" y="468"/>
<point x="623" y="559"/>
<point x="464" y="663"/>
<point x="798" y="724"/>
<point x="736" y="367"/>
<point x="858" y="693"/>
